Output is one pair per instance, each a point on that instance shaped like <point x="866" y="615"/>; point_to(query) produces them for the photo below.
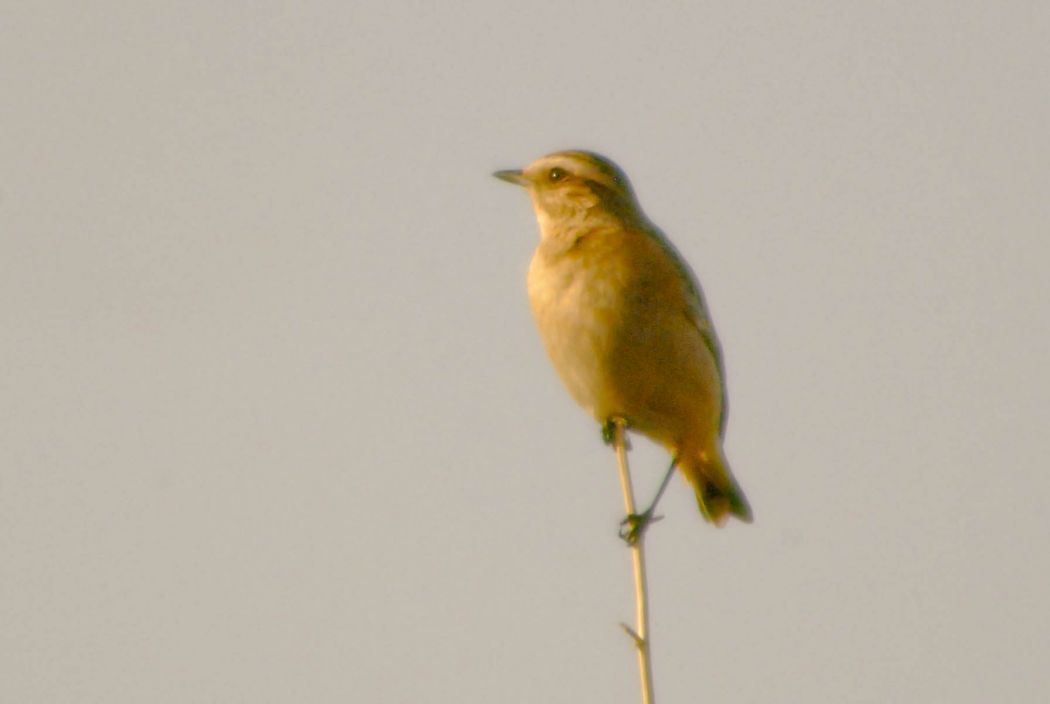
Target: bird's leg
<point x="632" y="527"/>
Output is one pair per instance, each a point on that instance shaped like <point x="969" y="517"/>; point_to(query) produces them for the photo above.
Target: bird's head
<point x="574" y="189"/>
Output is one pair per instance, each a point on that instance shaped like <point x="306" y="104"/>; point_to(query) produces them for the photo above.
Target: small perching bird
<point x="624" y="321"/>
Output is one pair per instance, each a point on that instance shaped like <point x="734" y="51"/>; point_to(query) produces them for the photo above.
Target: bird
<point x="625" y="324"/>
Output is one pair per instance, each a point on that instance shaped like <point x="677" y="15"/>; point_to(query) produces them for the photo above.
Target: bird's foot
<point x="609" y="431"/>
<point x="635" y="524"/>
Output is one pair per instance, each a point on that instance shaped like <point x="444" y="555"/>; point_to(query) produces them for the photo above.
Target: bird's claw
<point x="634" y="525"/>
<point x="609" y="432"/>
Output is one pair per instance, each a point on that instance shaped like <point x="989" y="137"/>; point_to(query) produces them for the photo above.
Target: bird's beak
<point x="512" y="176"/>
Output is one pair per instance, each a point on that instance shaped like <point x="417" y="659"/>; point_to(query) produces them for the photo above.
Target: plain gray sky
<point x="275" y="425"/>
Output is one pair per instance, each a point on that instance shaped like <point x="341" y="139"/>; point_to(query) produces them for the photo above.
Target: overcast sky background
<point x="275" y="425"/>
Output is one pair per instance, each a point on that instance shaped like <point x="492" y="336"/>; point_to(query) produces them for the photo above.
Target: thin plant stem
<point x="640" y="632"/>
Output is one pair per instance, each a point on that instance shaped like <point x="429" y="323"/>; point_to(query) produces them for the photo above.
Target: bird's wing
<point x="698" y="315"/>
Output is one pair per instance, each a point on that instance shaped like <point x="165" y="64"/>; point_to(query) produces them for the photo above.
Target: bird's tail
<point x="717" y="492"/>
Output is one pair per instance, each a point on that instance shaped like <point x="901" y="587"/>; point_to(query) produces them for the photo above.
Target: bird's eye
<point x="556" y="174"/>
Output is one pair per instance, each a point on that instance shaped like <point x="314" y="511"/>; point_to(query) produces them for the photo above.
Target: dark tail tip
<point x="718" y="503"/>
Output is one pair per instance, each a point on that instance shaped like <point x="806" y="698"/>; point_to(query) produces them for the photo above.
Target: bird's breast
<point x="576" y="299"/>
